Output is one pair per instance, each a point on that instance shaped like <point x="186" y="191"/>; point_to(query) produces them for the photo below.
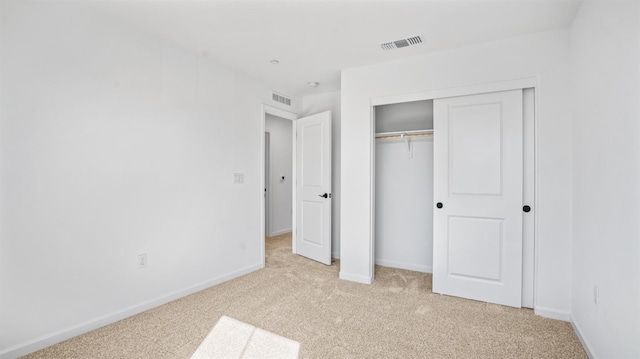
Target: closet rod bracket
<point x="406" y="141"/>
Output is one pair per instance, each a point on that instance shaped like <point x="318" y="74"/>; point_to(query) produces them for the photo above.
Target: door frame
<point x="522" y="83"/>
<point x="267" y="183"/>
<point x="266" y="109"/>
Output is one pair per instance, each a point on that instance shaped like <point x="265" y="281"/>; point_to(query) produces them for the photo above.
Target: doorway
<point x="267" y="175"/>
<point x="278" y="176"/>
<point x="309" y="205"/>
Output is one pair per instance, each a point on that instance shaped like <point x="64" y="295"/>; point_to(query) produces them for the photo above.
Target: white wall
<point x="404" y="204"/>
<point x="605" y="60"/>
<point x="544" y="55"/>
<point x="114" y="143"/>
<point x="280" y="191"/>
<point x="330" y="101"/>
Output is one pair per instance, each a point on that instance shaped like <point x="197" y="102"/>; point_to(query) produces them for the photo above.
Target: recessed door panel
<point x="476" y="149"/>
<point x="471" y="239"/>
<point x="312" y="213"/>
<point x="311" y="155"/>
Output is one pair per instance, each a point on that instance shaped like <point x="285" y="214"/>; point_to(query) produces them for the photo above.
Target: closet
<point x="454" y="188"/>
<point x="404" y="185"/>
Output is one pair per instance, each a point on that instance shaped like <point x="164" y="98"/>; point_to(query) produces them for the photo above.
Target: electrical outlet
<point x="142" y="261"/>
<point x="596" y="294"/>
<point x="238" y="178"/>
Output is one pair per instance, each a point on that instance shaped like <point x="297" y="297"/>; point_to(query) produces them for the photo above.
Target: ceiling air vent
<point x="281" y="99"/>
<point x="410" y="41"/>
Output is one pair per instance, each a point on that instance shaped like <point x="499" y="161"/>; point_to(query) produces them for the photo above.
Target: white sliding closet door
<point x="478" y="194"/>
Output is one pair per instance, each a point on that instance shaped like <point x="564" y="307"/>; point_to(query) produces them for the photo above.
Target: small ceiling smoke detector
<point x="274" y="62"/>
<point x="313" y="84"/>
<point x="396" y="44"/>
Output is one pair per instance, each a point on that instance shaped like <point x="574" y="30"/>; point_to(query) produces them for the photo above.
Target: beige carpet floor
<point x="293" y="297"/>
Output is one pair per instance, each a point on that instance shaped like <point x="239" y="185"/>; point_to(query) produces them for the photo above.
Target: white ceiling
<point x="314" y="40"/>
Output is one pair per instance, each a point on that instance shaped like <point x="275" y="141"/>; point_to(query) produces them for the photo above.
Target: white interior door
<point x="313" y="187"/>
<point x="478" y="193"/>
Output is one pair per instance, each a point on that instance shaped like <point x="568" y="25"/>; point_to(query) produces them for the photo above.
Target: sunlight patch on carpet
<point x="232" y="338"/>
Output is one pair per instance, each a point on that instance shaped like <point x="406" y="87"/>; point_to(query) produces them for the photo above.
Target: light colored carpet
<point x="293" y="297"/>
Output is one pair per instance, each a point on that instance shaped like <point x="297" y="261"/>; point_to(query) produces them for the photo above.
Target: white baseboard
<point x="407" y="266"/>
<point x="356" y="278"/>
<point x="552" y="313"/>
<point x="585" y="344"/>
<point x="82" y="328"/>
<point x="277" y="233"/>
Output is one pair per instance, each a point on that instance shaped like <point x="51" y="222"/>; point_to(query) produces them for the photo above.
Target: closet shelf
<point x="402" y="134"/>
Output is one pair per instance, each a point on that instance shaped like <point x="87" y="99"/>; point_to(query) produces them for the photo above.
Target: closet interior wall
<point x="404" y="187"/>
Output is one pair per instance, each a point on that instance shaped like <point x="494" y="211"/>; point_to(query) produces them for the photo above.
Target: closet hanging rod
<point x="401" y="134"/>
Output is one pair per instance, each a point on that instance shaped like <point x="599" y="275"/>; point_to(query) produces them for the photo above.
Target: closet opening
<point x="404" y="185"/>
<point x="478" y="163"/>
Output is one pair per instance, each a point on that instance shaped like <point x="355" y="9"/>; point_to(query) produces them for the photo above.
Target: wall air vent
<point x="281" y="99"/>
<point x="409" y="41"/>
